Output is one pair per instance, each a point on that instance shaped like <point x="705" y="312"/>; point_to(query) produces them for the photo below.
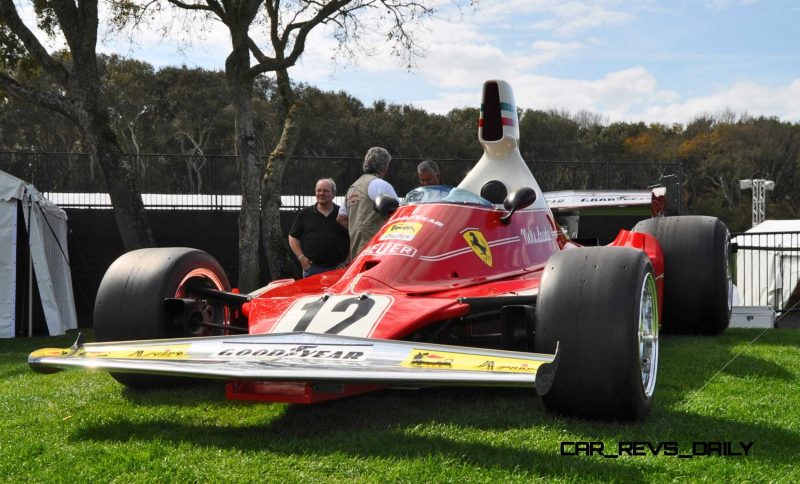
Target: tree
<point x="548" y="135"/>
<point x="463" y="133"/>
<point x="128" y="88"/>
<point x="75" y="95"/>
<point x="288" y="25"/>
<point x="331" y="124"/>
<point x="28" y="127"/>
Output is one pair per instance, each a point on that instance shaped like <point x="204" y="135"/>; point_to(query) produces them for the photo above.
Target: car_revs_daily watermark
<point x="703" y="448"/>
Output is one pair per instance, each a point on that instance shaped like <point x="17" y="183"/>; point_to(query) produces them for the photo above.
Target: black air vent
<point x="492" y="117"/>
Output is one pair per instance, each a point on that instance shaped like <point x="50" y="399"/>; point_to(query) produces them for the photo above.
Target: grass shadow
<point x="402" y="424"/>
<point x="382" y="425"/>
<point x="747" y="366"/>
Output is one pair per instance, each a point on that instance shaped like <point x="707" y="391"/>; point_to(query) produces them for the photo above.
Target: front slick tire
<point x="600" y="305"/>
<point x="130" y="301"/>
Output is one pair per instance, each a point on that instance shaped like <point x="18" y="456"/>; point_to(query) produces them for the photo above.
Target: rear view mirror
<point x="517" y="200"/>
<point x="386" y="205"/>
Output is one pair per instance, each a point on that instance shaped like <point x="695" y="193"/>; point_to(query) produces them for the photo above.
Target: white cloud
<point x="173" y="37"/>
<point x="546" y="51"/>
<point x="28" y="17"/>
<point x="462" y="55"/>
<point x="633" y="95"/>
<point x="530" y="43"/>
<point x="573" y="18"/>
<point x="721" y="5"/>
<point x="615" y="94"/>
<point x="743" y="97"/>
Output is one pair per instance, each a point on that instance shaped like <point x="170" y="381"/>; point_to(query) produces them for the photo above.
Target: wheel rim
<point x="648" y="335"/>
<point x="215" y="311"/>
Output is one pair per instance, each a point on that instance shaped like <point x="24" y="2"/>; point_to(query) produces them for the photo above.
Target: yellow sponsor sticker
<point x="401" y="231"/>
<point x="465" y="361"/>
<point x="477" y="242"/>
<point x="163" y="352"/>
<point x="160" y="352"/>
<point x="46" y="352"/>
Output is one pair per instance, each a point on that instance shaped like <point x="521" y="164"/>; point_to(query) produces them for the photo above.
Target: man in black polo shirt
<point x="318" y="241"/>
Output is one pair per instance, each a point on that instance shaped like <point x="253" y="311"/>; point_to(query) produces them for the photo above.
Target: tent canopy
<point x="46" y="225"/>
<point x="768" y="263"/>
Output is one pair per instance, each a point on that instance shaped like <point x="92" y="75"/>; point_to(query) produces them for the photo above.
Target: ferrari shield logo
<point x="477" y="242"/>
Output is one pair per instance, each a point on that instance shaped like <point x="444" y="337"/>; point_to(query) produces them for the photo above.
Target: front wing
<point x="308" y="357"/>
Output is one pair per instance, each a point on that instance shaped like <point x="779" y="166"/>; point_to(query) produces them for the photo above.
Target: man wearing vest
<point x="358" y="213"/>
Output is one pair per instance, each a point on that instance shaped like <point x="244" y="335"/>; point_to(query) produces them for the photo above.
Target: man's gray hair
<point x="376" y="160"/>
<point x="428" y="165"/>
<point x="330" y="180"/>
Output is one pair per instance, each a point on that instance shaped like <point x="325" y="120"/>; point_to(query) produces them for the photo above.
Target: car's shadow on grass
<point x="472" y="426"/>
<point x="502" y="428"/>
<point x="458" y="425"/>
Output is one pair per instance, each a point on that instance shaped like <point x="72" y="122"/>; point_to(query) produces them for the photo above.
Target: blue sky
<point x="645" y="60"/>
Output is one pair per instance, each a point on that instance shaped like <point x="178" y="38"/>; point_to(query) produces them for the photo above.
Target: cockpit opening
<point x="444" y="194"/>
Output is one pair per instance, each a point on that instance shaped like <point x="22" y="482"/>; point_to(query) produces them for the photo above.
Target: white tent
<point x="46" y="225"/>
<point x="768" y="276"/>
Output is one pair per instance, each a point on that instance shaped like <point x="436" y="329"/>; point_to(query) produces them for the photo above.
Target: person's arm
<point x="294" y="244"/>
<point x="342" y="218"/>
<point x="379" y="187"/>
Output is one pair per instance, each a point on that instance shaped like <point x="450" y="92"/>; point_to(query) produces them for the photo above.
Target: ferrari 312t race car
<point x="475" y="285"/>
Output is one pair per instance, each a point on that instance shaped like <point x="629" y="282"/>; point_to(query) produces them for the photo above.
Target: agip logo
<point x="477" y="242"/>
<point x="404" y="231"/>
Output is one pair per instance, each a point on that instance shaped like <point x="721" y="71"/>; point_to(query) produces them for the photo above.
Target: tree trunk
<point x="78" y="99"/>
<point x="129" y="212"/>
<point x="241" y="85"/>
<point x="276" y="245"/>
<point x="94" y="122"/>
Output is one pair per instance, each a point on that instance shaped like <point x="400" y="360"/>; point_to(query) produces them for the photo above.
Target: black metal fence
<point x="213" y="182"/>
<point x="768" y="269"/>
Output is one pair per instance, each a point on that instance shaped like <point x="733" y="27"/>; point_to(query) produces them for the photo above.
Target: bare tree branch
<point x="260" y="56"/>
<point x="281" y="41"/>
<point x="50" y="101"/>
<point x="10" y="16"/>
<point x="288" y="24"/>
<point x="192" y="6"/>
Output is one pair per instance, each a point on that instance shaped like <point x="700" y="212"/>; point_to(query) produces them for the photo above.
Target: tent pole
<point x="30" y="294"/>
<point x="30" y="267"/>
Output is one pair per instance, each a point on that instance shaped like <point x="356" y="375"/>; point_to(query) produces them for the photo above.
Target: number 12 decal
<point x="345" y="315"/>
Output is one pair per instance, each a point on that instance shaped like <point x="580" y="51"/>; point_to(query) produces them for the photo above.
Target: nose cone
<point x="498" y="114"/>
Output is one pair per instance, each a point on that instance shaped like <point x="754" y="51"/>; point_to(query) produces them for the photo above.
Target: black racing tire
<point x="600" y="305"/>
<point x="130" y="300"/>
<point x="698" y="286"/>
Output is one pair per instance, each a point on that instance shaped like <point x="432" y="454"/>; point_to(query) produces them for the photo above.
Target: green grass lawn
<point x="77" y="426"/>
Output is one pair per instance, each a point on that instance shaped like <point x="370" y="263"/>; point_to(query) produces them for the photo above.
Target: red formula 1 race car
<point x="475" y="285"/>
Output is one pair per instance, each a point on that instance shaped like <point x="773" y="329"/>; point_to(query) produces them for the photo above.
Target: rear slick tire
<point x="698" y="284"/>
<point x="130" y="300"/>
<point x="600" y="305"/>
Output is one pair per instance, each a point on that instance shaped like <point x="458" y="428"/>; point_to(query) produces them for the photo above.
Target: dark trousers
<point x="317" y="268"/>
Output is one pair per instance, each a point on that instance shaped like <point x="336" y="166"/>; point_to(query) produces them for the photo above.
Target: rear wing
<point x="594" y="217"/>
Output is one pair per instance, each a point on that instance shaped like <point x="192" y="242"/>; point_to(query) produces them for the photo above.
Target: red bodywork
<point x="416" y="269"/>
